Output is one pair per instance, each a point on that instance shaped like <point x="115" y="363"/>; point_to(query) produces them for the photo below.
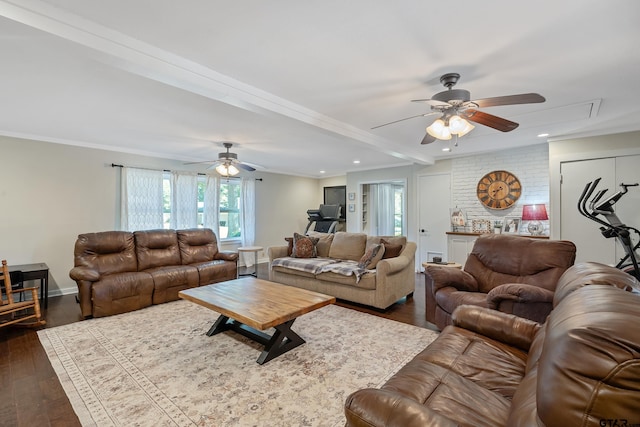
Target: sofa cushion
<point x="197" y="245"/>
<point x="304" y="246"/>
<point x="215" y="271"/>
<point x="324" y="242"/>
<point x="348" y="246"/>
<point x="157" y="248"/>
<point x="371" y="257"/>
<point x="121" y="292"/>
<point x="106" y="252"/>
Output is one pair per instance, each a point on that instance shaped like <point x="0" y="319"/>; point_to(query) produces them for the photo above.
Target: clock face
<point x="499" y="189"/>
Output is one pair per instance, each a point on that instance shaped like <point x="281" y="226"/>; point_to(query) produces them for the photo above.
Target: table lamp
<point x="534" y="214"/>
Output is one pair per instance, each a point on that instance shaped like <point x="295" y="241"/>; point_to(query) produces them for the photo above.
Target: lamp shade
<point x="226" y="169"/>
<point x="534" y="213"/>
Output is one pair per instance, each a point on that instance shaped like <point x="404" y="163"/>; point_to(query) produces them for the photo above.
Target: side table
<point x="255" y="250"/>
<point x="429" y="297"/>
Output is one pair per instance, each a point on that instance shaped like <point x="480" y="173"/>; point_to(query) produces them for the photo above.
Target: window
<point x="151" y="199"/>
<point x="229" y="202"/>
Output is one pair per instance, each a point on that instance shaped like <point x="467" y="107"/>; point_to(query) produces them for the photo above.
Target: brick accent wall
<point x="531" y="166"/>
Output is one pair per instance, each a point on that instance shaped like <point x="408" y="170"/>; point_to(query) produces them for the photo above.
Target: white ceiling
<point x="298" y="85"/>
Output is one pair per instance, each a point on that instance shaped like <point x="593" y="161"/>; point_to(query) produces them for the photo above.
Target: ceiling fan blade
<point x="199" y="163"/>
<point x="245" y="167"/>
<point x="432" y="102"/>
<point x="523" y="98"/>
<point x="428" y="139"/>
<point x="406" y="118"/>
<point x="490" y="120"/>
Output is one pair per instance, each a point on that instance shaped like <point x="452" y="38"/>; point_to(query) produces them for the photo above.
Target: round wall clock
<point x="499" y="189"/>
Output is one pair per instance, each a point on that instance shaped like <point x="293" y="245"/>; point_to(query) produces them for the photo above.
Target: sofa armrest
<point x="376" y="407"/>
<point x="446" y="276"/>
<point x="84" y="273"/>
<point x="277" y="252"/>
<point x="226" y="256"/>
<point x="507" y="328"/>
<point x="518" y="292"/>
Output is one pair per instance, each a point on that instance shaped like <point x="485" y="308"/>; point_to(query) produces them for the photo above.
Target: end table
<point x="255" y="250"/>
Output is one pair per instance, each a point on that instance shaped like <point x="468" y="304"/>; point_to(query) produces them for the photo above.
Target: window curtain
<point x="383" y="204"/>
<point x="184" y="200"/>
<point x="140" y="199"/>
<point x="248" y="218"/>
<point x="211" y="211"/>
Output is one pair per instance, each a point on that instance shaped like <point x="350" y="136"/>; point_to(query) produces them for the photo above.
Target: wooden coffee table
<point x="249" y="306"/>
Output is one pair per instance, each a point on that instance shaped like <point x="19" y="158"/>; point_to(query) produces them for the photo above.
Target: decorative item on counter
<point x="482" y="226"/>
<point x="535" y="214"/>
<point x="497" y="227"/>
<point x="511" y="225"/>
<point x="458" y="220"/>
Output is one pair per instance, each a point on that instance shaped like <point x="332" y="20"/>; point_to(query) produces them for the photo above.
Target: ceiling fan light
<point x="460" y="126"/>
<point x="227" y="170"/>
<point x="438" y="130"/>
<point x="468" y="127"/>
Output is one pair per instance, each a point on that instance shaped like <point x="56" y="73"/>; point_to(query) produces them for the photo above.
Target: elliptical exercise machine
<point x="612" y="227"/>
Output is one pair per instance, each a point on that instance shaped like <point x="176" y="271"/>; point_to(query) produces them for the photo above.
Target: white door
<point x="585" y="233"/>
<point x="434" y="192"/>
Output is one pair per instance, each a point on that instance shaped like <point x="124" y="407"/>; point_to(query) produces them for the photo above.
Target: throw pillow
<point x="324" y="242"/>
<point x="289" y="245"/>
<point x="371" y="257"/>
<point x="304" y="246"/>
<point x="390" y="250"/>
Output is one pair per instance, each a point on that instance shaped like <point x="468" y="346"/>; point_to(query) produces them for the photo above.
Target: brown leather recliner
<point x="579" y="368"/>
<point x="512" y="274"/>
<point x="120" y="271"/>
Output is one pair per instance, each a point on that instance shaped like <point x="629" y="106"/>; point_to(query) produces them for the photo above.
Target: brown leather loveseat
<point x="120" y="271"/>
<point x="580" y="368"/>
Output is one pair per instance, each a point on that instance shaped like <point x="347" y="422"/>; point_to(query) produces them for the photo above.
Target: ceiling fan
<point x="227" y="163"/>
<point x="455" y="104"/>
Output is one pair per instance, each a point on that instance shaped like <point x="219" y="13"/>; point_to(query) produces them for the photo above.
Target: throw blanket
<point x="346" y="268"/>
<point x="310" y="265"/>
<point x="321" y="265"/>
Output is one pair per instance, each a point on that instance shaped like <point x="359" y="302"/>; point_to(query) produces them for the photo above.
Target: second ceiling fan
<point x="455" y="107"/>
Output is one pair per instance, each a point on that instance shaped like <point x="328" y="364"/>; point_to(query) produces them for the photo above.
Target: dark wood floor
<point x="31" y="395"/>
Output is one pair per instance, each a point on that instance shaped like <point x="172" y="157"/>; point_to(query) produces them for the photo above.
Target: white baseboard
<point x="63" y="291"/>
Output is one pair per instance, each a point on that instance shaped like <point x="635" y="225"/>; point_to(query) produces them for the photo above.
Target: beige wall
<point x="50" y="193"/>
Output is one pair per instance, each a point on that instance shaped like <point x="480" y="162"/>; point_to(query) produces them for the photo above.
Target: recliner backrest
<point x="497" y="259"/>
<point x="107" y="252"/>
<point x="156" y="248"/>
<point x="197" y="245"/>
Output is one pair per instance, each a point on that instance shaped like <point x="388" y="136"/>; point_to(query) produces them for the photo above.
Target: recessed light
<point x="322" y="171"/>
<point x="355" y="162"/>
<point x="446" y="149"/>
<point x="542" y="135"/>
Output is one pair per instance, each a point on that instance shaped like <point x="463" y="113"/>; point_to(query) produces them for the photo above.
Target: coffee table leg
<point x="282" y="340"/>
<point x="220" y="325"/>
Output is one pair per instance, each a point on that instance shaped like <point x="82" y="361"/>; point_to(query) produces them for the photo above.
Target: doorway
<point x="434" y="195"/>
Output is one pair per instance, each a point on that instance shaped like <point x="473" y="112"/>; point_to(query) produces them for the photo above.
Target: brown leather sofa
<point x="120" y="271"/>
<point x="580" y="368"/>
<point x="513" y="274"/>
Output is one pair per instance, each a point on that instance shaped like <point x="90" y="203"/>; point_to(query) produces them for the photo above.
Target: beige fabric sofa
<point x="390" y="281"/>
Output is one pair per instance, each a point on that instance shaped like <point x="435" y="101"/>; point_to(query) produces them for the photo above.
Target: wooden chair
<point x="14" y="312"/>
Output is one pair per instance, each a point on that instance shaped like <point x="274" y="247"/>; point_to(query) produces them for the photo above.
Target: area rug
<point x="156" y="367"/>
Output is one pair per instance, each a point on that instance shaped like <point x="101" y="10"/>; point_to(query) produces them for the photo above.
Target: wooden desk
<point x="38" y="271"/>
